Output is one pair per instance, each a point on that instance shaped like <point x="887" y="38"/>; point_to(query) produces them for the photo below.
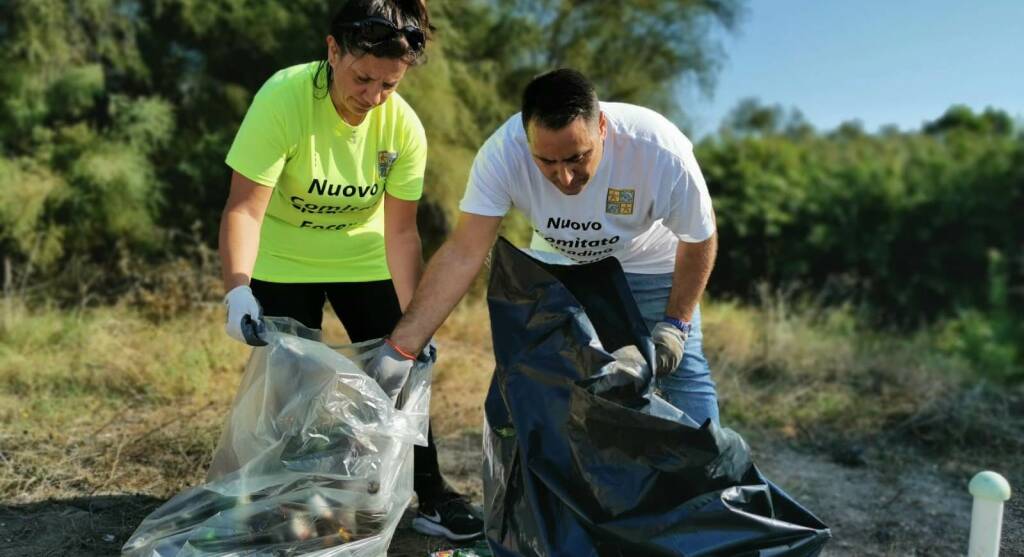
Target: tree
<point x="903" y="223"/>
<point x="962" y="118"/>
<point x="120" y="112"/>
<point x="750" y="116"/>
<point x="76" y="175"/>
<point x="634" y="51"/>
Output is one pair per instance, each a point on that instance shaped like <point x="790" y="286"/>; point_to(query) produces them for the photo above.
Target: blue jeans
<point x="688" y="388"/>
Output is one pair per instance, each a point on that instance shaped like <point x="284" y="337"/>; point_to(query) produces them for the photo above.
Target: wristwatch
<point x="683" y="326"/>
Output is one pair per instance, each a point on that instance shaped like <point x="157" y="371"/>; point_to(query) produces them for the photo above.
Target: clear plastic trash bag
<point x="314" y="459"/>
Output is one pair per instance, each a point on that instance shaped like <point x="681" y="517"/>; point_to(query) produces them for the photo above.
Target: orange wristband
<point x="399" y="349"/>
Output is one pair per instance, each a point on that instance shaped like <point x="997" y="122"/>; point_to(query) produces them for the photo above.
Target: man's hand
<point x="390" y="368"/>
<point x="624" y="377"/>
<point x="668" y="347"/>
<point x="241" y="304"/>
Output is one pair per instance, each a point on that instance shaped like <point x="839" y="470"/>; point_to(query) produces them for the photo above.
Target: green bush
<point x="901" y="223"/>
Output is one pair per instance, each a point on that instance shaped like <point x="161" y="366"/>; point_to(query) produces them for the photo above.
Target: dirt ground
<point x="883" y="506"/>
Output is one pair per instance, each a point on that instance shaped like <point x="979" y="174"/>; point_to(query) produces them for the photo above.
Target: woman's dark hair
<point x="401" y="13"/>
<point x="556" y="98"/>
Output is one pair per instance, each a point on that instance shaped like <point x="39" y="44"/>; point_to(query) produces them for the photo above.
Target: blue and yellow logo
<point x="384" y="161"/>
<point x="619" y="202"/>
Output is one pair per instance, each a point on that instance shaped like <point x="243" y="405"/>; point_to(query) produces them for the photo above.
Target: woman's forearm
<point x="240" y="230"/>
<point x="405" y="261"/>
<point x="239" y="244"/>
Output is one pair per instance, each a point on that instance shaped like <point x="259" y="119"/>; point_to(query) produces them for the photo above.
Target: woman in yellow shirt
<point x="328" y="169"/>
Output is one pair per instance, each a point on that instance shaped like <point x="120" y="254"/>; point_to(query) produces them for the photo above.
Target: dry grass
<point x="111" y="448"/>
<point x="109" y="398"/>
<point x="812" y="374"/>
<point x="49" y="357"/>
<point x="103" y="399"/>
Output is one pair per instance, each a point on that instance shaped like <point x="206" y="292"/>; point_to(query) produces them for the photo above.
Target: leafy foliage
<point x="907" y="224"/>
<point x="115" y="116"/>
<point x="120" y="112"/>
<point x="77" y="175"/>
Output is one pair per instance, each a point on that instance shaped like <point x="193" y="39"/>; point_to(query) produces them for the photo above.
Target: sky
<point x="899" y="62"/>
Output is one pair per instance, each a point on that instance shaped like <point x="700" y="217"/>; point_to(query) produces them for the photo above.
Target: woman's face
<point x="363" y="83"/>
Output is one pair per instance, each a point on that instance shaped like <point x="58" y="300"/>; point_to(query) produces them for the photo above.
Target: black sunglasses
<point x="377" y="30"/>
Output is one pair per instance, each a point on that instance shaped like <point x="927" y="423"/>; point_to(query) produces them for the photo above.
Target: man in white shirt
<point x="595" y="180"/>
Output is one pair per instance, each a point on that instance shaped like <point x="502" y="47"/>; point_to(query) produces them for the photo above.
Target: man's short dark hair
<point x="556" y="98"/>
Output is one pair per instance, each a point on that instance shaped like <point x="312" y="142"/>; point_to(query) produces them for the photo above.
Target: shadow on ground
<point x="99" y="526"/>
<point x="79" y="526"/>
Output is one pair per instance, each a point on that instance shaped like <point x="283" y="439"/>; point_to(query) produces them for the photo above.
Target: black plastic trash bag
<point x="314" y="458"/>
<point x="583" y="458"/>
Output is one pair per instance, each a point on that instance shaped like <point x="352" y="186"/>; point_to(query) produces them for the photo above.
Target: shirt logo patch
<point x="619" y="202"/>
<point x="384" y="161"/>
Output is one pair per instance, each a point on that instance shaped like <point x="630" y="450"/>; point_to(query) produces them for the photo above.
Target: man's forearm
<point x="446" y="280"/>
<point x="694" y="262"/>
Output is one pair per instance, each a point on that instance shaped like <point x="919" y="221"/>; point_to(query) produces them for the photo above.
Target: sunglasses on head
<point x="377" y="30"/>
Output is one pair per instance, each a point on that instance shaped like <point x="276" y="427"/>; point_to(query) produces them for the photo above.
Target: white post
<point x="989" y="490"/>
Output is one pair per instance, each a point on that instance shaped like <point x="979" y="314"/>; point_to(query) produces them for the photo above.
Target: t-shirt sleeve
<point x="690" y="215"/>
<point x="487" y="193"/>
<point x="405" y="178"/>
<point x="262" y="144"/>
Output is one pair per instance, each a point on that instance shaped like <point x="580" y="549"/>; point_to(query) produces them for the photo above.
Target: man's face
<point x="568" y="157"/>
<point x="363" y="83"/>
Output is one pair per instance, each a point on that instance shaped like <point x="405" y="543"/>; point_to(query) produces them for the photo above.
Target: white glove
<point x="390" y="368"/>
<point x="241" y="303"/>
<point x="668" y="347"/>
<point x="626" y="376"/>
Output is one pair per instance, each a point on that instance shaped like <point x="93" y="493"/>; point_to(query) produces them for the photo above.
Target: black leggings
<point x="367" y="310"/>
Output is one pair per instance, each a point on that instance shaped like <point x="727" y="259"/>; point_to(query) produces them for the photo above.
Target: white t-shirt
<point x="647" y="194"/>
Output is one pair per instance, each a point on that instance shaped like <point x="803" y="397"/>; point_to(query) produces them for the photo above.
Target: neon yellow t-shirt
<point x="325" y="220"/>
